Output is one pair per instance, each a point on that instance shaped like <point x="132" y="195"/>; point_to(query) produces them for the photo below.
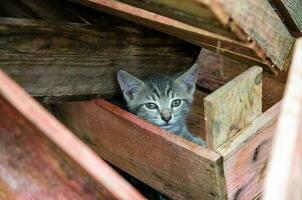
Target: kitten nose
<point x="166" y="118"/>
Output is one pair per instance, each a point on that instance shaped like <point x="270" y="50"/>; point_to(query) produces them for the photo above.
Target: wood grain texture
<point x="193" y="12"/>
<point x="216" y="70"/>
<point x="284" y="180"/>
<point x="192" y="34"/>
<point x="290" y="10"/>
<point x="195" y="121"/>
<point x="246" y="156"/>
<point x="41" y="159"/>
<point x="233" y="106"/>
<point x="64" y="61"/>
<point x="258" y="19"/>
<point x="167" y="162"/>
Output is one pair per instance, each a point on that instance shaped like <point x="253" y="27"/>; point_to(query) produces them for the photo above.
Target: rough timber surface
<point x="233" y="106"/>
<point x="255" y="22"/>
<point x="291" y="12"/>
<point x="176" y="167"/>
<point x="68" y="61"/>
<point x="246" y="155"/>
<point x="284" y="180"/>
<point x="41" y="159"/>
<point x="258" y="19"/>
<point x="216" y="70"/>
<point x="192" y="34"/>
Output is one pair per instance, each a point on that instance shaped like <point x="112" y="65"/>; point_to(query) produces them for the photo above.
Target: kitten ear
<point x="129" y="84"/>
<point x="188" y="79"/>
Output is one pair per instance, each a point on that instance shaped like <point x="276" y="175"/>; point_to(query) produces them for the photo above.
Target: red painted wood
<point x="41" y="159"/>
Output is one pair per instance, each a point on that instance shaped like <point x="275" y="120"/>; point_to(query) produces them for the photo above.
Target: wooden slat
<point x="195" y="35"/>
<point x="259" y="20"/>
<point x="64" y="61"/>
<point x="233" y="106"/>
<point x="193" y="12"/>
<point x="290" y="10"/>
<point x="166" y="162"/>
<point x="284" y="180"/>
<point x="272" y="42"/>
<point x="216" y="70"/>
<point x="245" y="156"/>
<point x="41" y="159"/>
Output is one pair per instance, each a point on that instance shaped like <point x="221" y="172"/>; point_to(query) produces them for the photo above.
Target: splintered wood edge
<point x="209" y="103"/>
<point x="284" y="179"/>
<point x="65" y="140"/>
<point x="202" y="152"/>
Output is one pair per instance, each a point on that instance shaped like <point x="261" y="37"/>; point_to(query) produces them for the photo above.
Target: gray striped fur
<point x="163" y="91"/>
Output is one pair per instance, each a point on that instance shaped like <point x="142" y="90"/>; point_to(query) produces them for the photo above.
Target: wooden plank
<point x="170" y="164"/>
<point x="290" y="10"/>
<point x="216" y="70"/>
<point x="195" y="35"/>
<point x="233" y="106"/>
<point x="41" y="159"/>
<point x="284" y="180"/>
<point x="245" y="156"/>
<point x="259" y="20"/>
<point x="64" y="61"/>
<point x="193" y="12"/>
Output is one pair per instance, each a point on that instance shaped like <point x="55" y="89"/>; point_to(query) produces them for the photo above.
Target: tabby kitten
<point x="162" y="100"/>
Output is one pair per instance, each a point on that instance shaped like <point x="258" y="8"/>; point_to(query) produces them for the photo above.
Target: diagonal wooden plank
<point x="192" y="34"/>
<point x="41" y="159"/>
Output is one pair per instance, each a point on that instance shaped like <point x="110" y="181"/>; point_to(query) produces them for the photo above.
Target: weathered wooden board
<point x="216" y="70"/>
<point x="193" y="12"/>
<point x="284" y="180"/>
<point x="195" y="121"/>
<point x="176" y="167"/>
<point x="273" y="42"/>
<point x="233" y="106"/>
<point x="291" y="12"/>
<point x="259" y="20"/>
<point x="41" y="159"/>
<point x="245" y="156"/>
<point x="58" y="61"/>
<point x="192" y="34"/>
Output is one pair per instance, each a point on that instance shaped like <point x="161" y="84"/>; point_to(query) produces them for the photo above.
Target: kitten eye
<point x="151" y="106"/>
<point x="176" y="103"/>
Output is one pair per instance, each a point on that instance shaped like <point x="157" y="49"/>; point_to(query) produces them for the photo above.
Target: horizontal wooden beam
<point x="284" y="179"/>
<point x="201" y="37"/>
<point x="41" y="159"/>
<point x="258" y="40"/>
<point x="170" y="164"/>
<point x="246" y="156"/>
<point x="66" y="61"/>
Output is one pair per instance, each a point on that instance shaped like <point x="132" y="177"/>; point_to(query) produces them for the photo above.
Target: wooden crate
<point x="232" y="168"/>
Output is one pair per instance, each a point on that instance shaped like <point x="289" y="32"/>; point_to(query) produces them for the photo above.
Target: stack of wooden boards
<point x="59" y="51"/>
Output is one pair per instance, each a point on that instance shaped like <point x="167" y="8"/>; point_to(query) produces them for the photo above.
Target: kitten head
<point x="160" y="99"/>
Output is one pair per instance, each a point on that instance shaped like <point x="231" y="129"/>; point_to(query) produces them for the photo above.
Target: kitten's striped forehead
<point x="160" y="86"/>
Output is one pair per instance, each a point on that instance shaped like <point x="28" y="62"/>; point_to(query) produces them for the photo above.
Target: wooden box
<point x="239" y="137"/>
